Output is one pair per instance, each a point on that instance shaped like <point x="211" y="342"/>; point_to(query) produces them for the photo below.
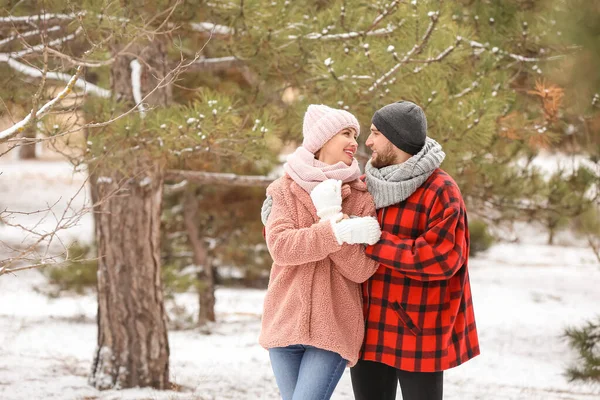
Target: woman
<point x="312" y="319"/>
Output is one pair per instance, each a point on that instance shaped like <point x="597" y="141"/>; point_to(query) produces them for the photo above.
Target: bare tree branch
<point x="21" y="125"/>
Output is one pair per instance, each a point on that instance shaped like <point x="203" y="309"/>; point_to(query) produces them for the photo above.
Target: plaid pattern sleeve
<point x="418" y="307"/>
<point x="437" y="253"/>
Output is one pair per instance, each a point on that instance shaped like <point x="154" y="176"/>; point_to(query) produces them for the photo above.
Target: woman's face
<point x="341" y="147"/>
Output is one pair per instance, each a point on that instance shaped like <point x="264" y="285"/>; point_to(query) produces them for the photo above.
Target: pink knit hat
<point x="321" y="123"/>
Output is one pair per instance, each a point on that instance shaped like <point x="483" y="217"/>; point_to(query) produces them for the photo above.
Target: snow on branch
<point x="215" y="64"/>
<point x="476" y="45"/>
<point x="59" y="76"/>
<point x="31" y="19"/>
<point x="203" y="27"/>
<point x="340" y="78"/>
<point x="40" y="47"/>
<point x="136" y="85"/>
<point x="27" y="34"/>
<point x="439" y="57"/>
<point x="417" y="48"/>
<point x="386" y="11"/>
<point x="467" y="90"/>
<point x="217" y="178"/>
<point x="27" y="19"/>
<point x="370" y="31"/>
<point x="210" y="27"/>
<point x="348" y="35"/>
<point x="20" y="126"/>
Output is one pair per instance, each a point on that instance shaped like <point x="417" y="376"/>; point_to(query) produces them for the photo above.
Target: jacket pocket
<point x="405" y="318"/>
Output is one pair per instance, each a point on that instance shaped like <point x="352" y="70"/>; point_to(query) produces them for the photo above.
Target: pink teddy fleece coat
<point x="314" y="294"/>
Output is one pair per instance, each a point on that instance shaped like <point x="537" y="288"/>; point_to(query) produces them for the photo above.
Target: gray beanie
<point x="404" y="124"/>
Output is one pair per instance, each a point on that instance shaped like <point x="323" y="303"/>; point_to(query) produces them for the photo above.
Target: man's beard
<point x="384" y="158"/>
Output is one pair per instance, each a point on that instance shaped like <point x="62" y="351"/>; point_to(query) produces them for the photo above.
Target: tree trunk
<point x="206" y="287"/>
<point x="27" y="151"/>
<point x="133" y="348"/>
<point x="551" y="230"/>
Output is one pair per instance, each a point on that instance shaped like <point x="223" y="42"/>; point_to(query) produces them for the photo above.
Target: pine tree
<point x="219" y="87"/>
<point x="585" y="340"/>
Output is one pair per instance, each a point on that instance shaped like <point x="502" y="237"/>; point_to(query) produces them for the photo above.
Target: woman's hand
<point x="327" y="198"/>
<point x="363" y="230"/>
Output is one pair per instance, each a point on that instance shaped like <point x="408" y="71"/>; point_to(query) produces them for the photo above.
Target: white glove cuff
<point x="340" y="230"/>
<point x="335" y="233"/>
<point x="333" y="212"/>
<point x="374" y="232"/>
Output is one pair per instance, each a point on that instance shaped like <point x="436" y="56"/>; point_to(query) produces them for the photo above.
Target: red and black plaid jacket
<point x="418" y="308"/>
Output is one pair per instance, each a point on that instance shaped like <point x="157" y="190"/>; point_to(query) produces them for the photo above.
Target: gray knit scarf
<point x="395" y="183"/>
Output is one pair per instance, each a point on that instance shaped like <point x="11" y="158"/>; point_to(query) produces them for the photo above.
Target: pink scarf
<point x="308" y="172"/>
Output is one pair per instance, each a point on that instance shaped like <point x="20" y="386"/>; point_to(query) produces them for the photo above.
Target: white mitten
<point x="364" y="230"/>
<point x="327" y="198"/>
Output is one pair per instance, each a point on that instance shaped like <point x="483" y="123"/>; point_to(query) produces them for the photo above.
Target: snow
<point x="524" y="296"/>
<point x="216" y="60"/>
<point x="41" y="17"/>
<point x="59" y="76"/>
<point x="146" y="181"/>
<point x="27" y="34"/>
<point x="343" y="36"/>
<point x="517" y="57"/>
<point x="548" y="163"/>
<point x="210" y="27"/>
<point x="40" y="47"/>
<point x="30" y="186"/>
<point x="136" y="85"/>
<point x="32" y="19"/>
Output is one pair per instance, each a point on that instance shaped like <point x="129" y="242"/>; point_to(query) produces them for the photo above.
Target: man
<point x="417" y="307"/>
<point x="419" y="318"/>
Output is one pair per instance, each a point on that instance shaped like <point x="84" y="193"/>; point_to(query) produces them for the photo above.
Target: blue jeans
<point x="306" y="372"/>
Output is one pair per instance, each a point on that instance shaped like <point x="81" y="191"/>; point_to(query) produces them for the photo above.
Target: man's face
<point x="384" y="152"/>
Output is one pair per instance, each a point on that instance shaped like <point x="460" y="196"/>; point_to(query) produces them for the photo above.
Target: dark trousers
<point x="376" y="381"/>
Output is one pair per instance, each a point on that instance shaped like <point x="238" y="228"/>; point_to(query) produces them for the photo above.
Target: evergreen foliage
<point x="499" y="81"/>
<point x="585" y="340"/>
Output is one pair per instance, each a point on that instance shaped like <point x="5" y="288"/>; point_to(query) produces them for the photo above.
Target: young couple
<point x="397" y="310"/>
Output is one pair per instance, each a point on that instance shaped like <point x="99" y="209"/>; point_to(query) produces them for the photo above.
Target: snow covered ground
<point x="525" y="295"/>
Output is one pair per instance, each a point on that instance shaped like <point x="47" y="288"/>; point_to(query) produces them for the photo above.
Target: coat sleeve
<point x="351" y="260"/>
<point x="437" y="254"/>
<point x="290" y="245"/>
